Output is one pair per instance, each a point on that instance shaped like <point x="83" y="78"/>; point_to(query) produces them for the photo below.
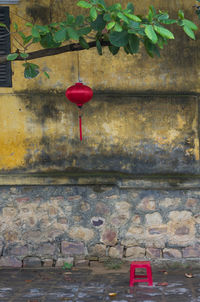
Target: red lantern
<point x="79" y="94"/>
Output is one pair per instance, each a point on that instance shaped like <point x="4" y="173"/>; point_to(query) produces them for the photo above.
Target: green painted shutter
<point x="5" y="69"/>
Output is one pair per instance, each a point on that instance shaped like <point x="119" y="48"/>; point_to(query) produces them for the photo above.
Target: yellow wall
<point x="122" y="131"/>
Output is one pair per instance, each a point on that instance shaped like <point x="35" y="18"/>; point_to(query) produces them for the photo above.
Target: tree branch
<point x="54" y="51"/>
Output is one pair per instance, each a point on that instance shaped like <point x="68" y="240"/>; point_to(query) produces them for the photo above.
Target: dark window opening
<point x="5" y="68"/>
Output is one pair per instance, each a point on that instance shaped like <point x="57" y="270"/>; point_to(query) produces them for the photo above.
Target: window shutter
<point x="5" y="69"/>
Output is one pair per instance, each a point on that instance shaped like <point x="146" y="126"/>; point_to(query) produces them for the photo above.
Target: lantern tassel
<point x="80" y="124"/>
<point x="80" y="127"/>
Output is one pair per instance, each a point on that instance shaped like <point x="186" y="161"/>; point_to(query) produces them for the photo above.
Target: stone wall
<point x="126" y="219"/>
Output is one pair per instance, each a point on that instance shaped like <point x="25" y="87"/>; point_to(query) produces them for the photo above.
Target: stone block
<point x="171" y="253"/>
<point x="169" y="202"/>
<point x="135" y="252"/>
<point x="82" y="263"/>
<point x="157" y="230"/>
<point x="153" y="253"/>
<point x="46" y="249"/>
<point x="116" y="252"/>
<point x="191" y="251"/>
<point x="153" y="219"/>
<point x="98" y="250"/>
<point x="34" y="262"/>
<point x="61" y="261"/>
<point x="147" y="204"/>
<point x="191" y="202"/>
<point x="81" y="233"/>
<point x="10" y="261"/>
<point x="72" y="248"/>
<point x="47" y="262"/>
<point x="109" y="237"/>
<point x="16" y="250"/>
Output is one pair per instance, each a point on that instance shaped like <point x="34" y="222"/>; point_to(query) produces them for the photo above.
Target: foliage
<point x="67" y="266"/>
<point x="113" y="263"/>
<point x="114" y="25"/>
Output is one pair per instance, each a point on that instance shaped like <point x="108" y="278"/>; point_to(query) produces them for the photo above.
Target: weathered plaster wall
<point x="142" y="121"/>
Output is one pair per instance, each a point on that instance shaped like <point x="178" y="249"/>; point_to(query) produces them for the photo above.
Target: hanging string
<point x="78" y="60"/>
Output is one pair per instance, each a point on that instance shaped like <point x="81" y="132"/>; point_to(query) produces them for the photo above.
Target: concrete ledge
<point x="123" y="181"/>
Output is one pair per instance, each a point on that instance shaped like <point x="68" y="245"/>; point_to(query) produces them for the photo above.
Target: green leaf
<point x="169" y="21"/>
<point x="70" y="19"/>
<point x="181" y="14"/>
<point x="31" y="70"/>
<point x="165" y="33"/>
<point x="101" y="3"/>
<point x="150" y="16"/>
<point x="133" y="17"/>
<point x="149" y="31"/>
<point x="189" y="32"/>
<point x="84" y="31"/>
<point x="22" y="35"/>
<point x="83" y="43"/>
<point x="126" y="49"/>
<point x="190" y="24"/>
<point x="123" y="17"/>
<point x="99" y="47"/>
<point x="110" y="25"/>
<point x="2" y="25"/>
<point x="130" y="7"/>
<point x="24" y="55"/>
<point x="27" y="39"/>
<point x="99" y="24"/>
<point x="47" y="41"/>
<point x="15" y="26"/>
<point x="84" y="4"/>
<point x="118" y="27"/>
<point x="29" y="24"/>
<point x="134" y="43"/>
<point x="42" y="29"/>
<point x="107" y="17"/>
<point x="115" y="7"/>
<point x="162" y="16"/>
<point x="113" y="49"/>
<point x="35" y="32"/>
<point x="152" y="8"/>
<point x="72" y="33"/>
<point x="151" y="48"/>
<point x="119" y="38"/>
<point x="60" y="35"/>
<point x="46" y="75"/>
<point x="12" y="56"/>
<point x="79" y="20"/>
<point x="93" y="13"/>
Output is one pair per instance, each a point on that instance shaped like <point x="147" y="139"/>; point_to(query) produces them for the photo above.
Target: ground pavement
<point x="95" y="284"/>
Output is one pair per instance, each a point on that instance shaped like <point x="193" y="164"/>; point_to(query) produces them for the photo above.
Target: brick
<point x="10" y="261"/>
<point x="72" y="248"/>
